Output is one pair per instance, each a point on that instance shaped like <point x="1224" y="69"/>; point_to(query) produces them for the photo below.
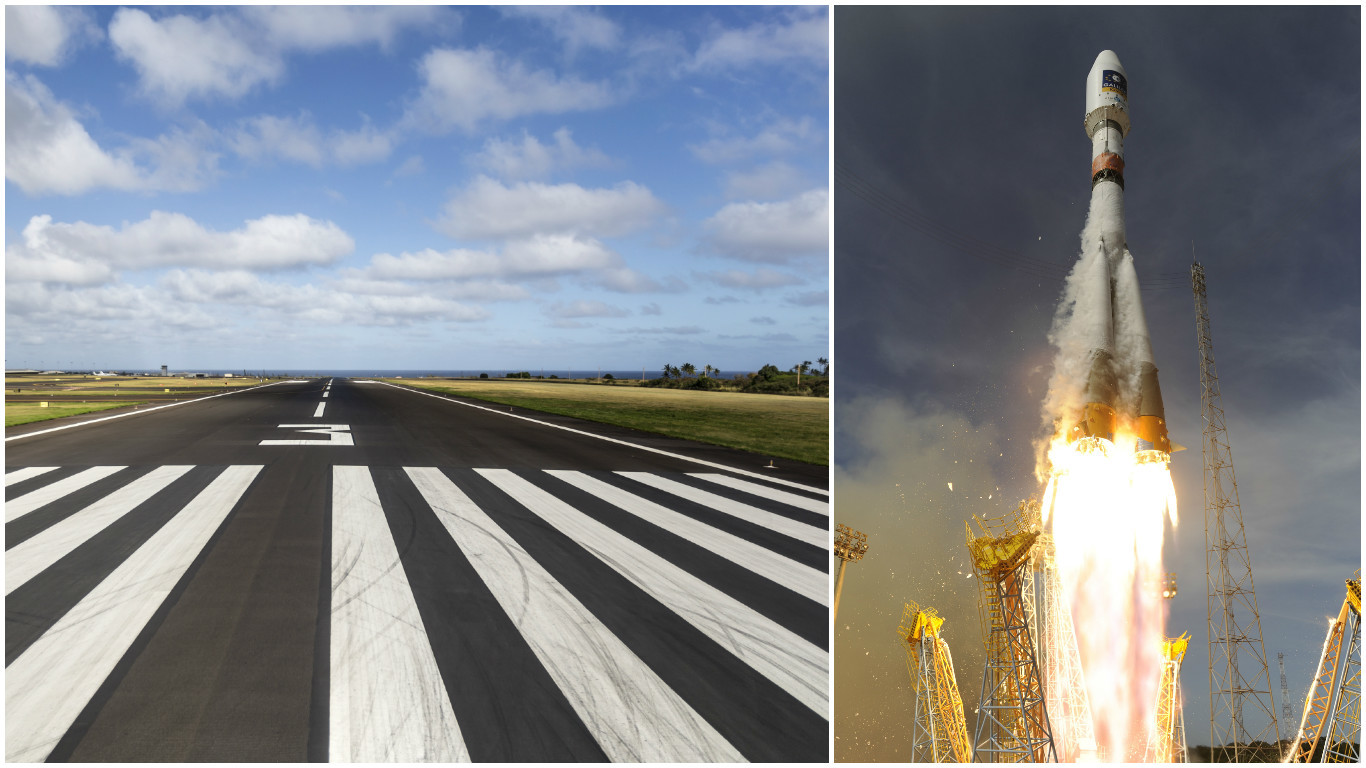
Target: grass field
<point x="25" y="413"/>
<point x="783" y="427"/>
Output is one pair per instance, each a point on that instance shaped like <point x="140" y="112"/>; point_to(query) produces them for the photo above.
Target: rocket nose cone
<point x="1108" y="60"/>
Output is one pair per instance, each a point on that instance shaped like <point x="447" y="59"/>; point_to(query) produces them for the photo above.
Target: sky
<point x="961" y="188"/>
<point x="416" y="187"/>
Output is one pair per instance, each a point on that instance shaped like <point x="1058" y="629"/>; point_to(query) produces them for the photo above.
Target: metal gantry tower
<point x="1069" y="706"/>
<point x="1012" y="714"/>
<point x="849" y="545"/>
<point x="1286" y="715"/>
<point x="1167" y="740"/>
<point x="1239" y="680"/>
<point x="940" y="734"/>
<point x="1333" y="705"/>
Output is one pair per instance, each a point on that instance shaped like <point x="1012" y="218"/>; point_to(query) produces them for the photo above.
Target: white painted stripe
<point x="633" y="715"/>
<point x="636" y="446"/>
<point x="318" y="413"/>
<point x="793" y="664"/>
<point x="24" y="474"/>
<point x="144" y="410"/>
<point x="324" y="393"/>
<point x="17" y="508"/>
<point x="33" y="556"/>
<point x="798" y="530"/>
<point x="802" y="579"/>
<point x="364" y="382"/>
<point x="388" y="702"/>
<point x="50" y="683"/>
<point x="790" y="499"/>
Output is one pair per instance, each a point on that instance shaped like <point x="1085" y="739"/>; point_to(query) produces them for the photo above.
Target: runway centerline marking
<point x="318" y="413"/>
<point x="637" y="446"/>
<point x="338" y="434"/>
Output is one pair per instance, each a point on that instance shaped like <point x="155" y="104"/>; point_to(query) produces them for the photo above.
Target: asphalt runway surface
<point x="348" y="570"/>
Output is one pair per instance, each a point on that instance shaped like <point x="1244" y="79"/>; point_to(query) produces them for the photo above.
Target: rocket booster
<point x="1121" y="386"/>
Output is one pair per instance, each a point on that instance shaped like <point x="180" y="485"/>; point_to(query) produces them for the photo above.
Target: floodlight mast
<point x="849" y="545"/>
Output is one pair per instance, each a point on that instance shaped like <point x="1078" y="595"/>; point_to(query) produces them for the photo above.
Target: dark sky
<point x="962" y="182"/>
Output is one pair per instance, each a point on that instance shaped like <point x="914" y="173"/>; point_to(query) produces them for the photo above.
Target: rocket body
<point x="1121" y="393"/>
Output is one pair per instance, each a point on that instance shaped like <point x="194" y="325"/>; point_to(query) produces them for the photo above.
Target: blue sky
<point x="416" y="187"/>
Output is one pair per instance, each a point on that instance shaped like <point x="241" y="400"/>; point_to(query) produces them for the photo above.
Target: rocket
<point x="1121" y="393"/>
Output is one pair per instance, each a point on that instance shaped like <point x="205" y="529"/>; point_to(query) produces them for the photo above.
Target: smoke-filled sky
<point x="416" y="187"/>
<point x="961" y="188"/>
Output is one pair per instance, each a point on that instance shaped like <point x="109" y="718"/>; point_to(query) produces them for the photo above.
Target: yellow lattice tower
<point x="940" y="732"/>
<point x="1333" y="704"/>
<point x="1012" y="716"/>
<point x="1167" y="739"/>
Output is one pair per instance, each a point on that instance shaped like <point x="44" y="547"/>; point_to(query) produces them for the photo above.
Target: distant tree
<point x="483" y="375"/>
<point x="826" y="363"/>
<point x="689" y="369"/>
<point x="668" y="371"/>
<point x="608" y="377"/>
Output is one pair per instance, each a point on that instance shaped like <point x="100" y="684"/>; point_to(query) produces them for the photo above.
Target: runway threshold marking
<point x="632" y="714"/>
<point x="791" y="499"/>
<point x="48" y="686"/>
<point x="317" y="414"/>
<point x="772" y="650"/>
<point x="32" y="556"/>
<point x="24" y="474"/>
<point x="387" y="701"/>
<point x="804" y="580"/>
<point x="637" y="446"/>
<point x="16" y="508"/>
<point x="145" y="410"/>
<point x="800" y="531"/>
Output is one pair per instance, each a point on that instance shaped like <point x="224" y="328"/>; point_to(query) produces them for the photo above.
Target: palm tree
<point x="689" y="369"/>
<point x="825" y="362"/>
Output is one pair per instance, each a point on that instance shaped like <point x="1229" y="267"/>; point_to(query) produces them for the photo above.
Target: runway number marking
<point x="338" y="434"/>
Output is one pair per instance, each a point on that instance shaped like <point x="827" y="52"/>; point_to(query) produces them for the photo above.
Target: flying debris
<point x="1117" y="332"/>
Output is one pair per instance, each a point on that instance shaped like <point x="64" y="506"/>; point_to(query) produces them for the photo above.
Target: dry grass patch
<point x="771" y="425"/>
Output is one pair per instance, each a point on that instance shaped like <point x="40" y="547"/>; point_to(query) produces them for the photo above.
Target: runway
<point x="348" y="570"/>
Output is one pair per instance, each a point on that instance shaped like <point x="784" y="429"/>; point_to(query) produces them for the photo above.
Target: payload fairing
<point x="1121" y="392"/>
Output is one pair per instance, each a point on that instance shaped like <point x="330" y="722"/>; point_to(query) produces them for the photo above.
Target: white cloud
<point x="758" y="280"/>
<point x="318" y="28"/>
<point x="410" y="167"/>
<point x="530" y="159"/>
<point x="651" y="309"/>
<point x="289" y="138"/>
<point x="298" y="139"/>
<point x="627" y="280"/>
<point x="489" y="209"/>
<point x="227" y="54"/>
<point x="462" y="88"/>
<point x="772" y="232"/>
<point x="766" y="182"/>
<point x="584" y="308"/>
<point x="577" y="28"/>
<point x="676" y="330"/>
<point x="179" y="57"/>
<point x="802" y="35"/>
<point x="43" y="35"/>
<point x="809" y="299"/>
<point x="48" y="151"/>
<point x="537" y="256"/>
<point x="84" y="253"/>
<point x="782" y="136"/>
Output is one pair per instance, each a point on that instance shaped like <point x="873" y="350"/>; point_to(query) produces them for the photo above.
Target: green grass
<point x="26" y="413"/>
<point x="781" y="427"/>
